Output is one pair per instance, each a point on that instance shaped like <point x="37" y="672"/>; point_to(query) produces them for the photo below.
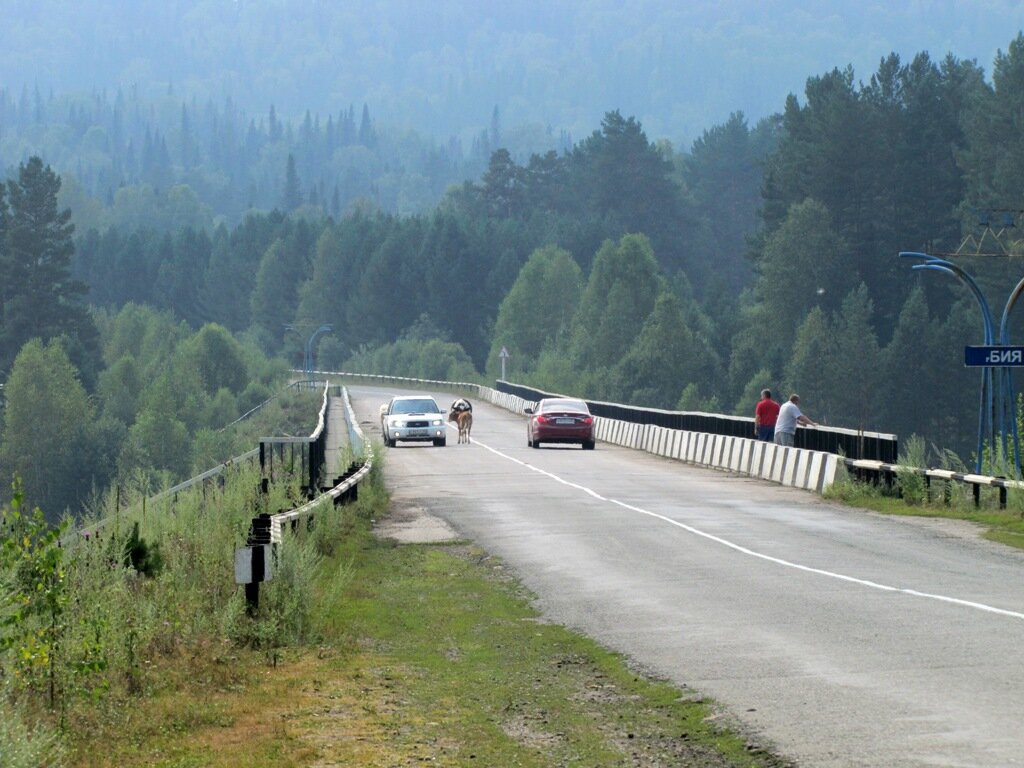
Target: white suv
<point x="414" y="418"/>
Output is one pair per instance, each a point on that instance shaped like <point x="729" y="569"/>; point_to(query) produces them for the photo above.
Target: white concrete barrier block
<point x="633" y="441"/>
<point x="677" y="444"/>
<point x="747" y="467"/>
<point x="830" y="466"/>
<point x="799" y="476"/>
<point x="728" y="446"/>
<point x="789" y="469"/>
<point x="715" y="450"/>
<point x="739" y="455"/>
<point x="742" y="455"/>
<point x="756" y="459"/>
<point x="779" y="460"/>
<point x="771" y="455"/>
<point x="814" y="471"/>
<point x="721" y="451"/>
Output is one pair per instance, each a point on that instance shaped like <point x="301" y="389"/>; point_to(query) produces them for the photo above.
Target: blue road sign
<point x="994" y="357"/>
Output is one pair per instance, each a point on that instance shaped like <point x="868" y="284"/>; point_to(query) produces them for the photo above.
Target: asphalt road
<point x="834" y="636"/>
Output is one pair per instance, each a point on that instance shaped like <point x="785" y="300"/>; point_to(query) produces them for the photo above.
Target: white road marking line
<point x="746" y="551"/>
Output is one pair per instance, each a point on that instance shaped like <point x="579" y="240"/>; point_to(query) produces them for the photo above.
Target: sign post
<point x="504" y="355"/>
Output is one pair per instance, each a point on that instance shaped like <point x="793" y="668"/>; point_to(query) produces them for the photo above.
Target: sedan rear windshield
<point x="565" y="405"/>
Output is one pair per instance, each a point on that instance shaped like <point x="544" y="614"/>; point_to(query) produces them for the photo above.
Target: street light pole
<point x="309" y="348"/>
<point x="988" y="415"/>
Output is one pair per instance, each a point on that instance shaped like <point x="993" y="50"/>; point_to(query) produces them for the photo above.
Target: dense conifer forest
<point x="156" y="255"/>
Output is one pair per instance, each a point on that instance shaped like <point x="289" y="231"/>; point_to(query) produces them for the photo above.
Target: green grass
<point x="420" y="654"/>
<point x="954" y="502"/>
<point x="473" y="676"/>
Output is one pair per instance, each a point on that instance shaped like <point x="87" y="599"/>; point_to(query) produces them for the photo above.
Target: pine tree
<point x="367" y="136"/>
<point x="38" y="297"/>
<point x="292" y="198"/>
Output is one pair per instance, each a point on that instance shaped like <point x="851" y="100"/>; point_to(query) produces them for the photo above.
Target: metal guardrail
<point x="219" y="469"/>
<point x="370" y="378"/>
<point x="251" y="411"/>
<point x="311" y="450"/>
<point x="346" y="489"/>
<point x="207" y="475"/>
<point x="882" y="472"/>
<point x="255" y="562"/>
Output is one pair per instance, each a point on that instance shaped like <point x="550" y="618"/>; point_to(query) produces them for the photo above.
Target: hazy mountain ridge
<point x="441" y="67"/>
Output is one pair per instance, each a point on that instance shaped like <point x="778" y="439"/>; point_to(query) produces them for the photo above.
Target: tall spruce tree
<point x="38" y="297"/>
<point x="292" y="197"/>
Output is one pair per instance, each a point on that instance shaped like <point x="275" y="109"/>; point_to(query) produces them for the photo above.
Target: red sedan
<point x="560" y="420"/>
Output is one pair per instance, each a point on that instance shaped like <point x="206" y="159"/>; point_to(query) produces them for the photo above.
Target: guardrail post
<point x="258" y="542"/>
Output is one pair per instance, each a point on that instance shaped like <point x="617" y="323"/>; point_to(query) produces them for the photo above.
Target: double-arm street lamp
<point x="307" y="353"/>
<point x="997" y="413"/>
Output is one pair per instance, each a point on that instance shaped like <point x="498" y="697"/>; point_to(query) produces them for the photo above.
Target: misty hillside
<point x="440" y="68"/>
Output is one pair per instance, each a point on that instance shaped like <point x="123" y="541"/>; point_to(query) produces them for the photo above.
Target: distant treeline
<point x="176" y="162"/>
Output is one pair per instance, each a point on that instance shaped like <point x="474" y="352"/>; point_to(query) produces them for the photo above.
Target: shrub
<point x="911" y="483"/>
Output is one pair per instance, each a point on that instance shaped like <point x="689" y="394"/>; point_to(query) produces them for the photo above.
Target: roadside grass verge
<point x="418" y="654"/>
<point x="954" y="501"/>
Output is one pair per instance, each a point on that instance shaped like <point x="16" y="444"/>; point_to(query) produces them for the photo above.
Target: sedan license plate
<point x="565" y="421"/>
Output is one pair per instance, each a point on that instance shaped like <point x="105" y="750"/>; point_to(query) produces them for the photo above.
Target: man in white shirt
<point x="789" y="416"/>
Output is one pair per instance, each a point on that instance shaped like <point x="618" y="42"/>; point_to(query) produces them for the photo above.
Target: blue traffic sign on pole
<point x="994" y="357"/>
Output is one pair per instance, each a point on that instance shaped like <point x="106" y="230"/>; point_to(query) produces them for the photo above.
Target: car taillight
<point x="588" y="420"/>
<point x="544" y="419"/>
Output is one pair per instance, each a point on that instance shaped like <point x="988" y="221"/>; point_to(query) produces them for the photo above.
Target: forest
<point x="161" y="286"/>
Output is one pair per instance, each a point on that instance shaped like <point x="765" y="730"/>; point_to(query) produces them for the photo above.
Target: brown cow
<point x="465" y="422"/>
